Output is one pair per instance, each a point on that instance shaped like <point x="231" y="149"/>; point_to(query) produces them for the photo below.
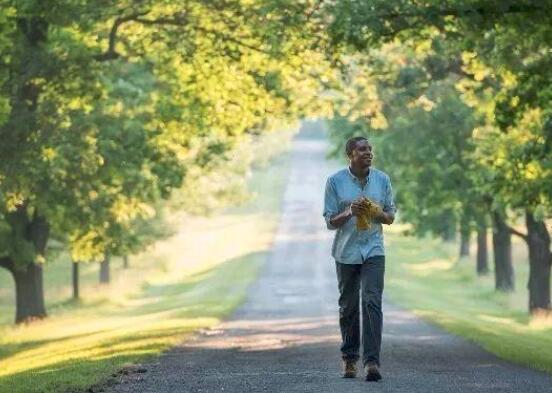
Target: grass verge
<point x="426" y="276"/>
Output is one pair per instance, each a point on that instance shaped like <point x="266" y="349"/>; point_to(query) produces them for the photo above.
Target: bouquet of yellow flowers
<point x="369" y="211"/>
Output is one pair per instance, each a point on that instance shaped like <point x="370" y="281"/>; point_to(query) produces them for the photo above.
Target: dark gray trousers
<point x="365" y="278"/>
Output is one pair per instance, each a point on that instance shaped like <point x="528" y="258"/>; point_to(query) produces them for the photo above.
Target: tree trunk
<point x="104" y="271"/>
<point x="29" y="293"/>
<point x="125" y="262"/>
<point x="538" y="241"/>
<point x="464" y="237"/>
<point x="449" y="227"/>
<point x="76" y="294"/>
<point x="482" y="253"/>
<point x="502" y="247"/>
<point x="464" y="244"/>
<point x="28" y="277"/>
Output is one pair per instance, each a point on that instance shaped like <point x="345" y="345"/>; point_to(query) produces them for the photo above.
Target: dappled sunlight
<point x="396" y="317"/>
<point x="429" y="267"/>
<point x="117" y="337"/>
<point x="133" y="326"/>
<point x="433" y="315"/>
<point x="280" y="325"/>
<point x="206" y="242"/>
<point x="270" y="334"/>
<point x="142" y="327"/>
<point x="494" y="323"/>
<point x="499" y="320"/>
<point x="268" y="341"/>
<point x="398" y="228"/>
<point x="541" y="323"/>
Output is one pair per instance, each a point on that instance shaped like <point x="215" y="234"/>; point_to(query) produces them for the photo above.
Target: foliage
<point x="218" y="181"/>
<point x="501" y="54"/>
<point x="426" y="140"/>
<point x="110" y="103"/>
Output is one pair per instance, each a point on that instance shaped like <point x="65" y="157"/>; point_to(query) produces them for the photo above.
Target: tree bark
<point x="540" y="259"/>
<point x="125" y="262"/>
<point x="482" y="252"/>
<point x="465" y="234"/>
<point x="502" y="247"/>
<point x="104" y="271"/>
<point x="28" y="276"/>
<point x="75" y="266"/>
<point x="29" y="293"/>
<point x="464" y="243"/>
<point x="448" y="233"/>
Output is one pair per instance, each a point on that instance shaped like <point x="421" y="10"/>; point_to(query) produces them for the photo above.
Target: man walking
<point x="359" y="254"/>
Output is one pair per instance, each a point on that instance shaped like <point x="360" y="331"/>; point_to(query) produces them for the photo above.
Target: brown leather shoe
<point x="372" y="372"/>
<point x="349" y="369"/>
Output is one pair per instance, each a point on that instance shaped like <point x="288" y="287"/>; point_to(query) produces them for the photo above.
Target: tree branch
<point x="178" y="19"/>
<point x="316" y="7"/>
<point x="423" y="12"/>
<point x="226" y="37"/>
<point x="111" y="53"/>
<point x="517" y="233"/>
<point x="429" y="14"/>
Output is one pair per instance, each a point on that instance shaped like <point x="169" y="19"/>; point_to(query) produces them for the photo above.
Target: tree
<point x="105" y="101"/>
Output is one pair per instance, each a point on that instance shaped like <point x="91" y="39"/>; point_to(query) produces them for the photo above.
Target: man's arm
<point x="340" y="219"/>
<point x="334" y="218"/>
<point x="389" y="208"/>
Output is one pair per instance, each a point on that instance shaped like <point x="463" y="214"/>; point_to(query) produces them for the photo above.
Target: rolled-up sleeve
<point x="330" y="203"/>
<point x="389" y="204"/>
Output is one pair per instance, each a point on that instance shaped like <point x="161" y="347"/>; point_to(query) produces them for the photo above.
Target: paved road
<point x="285" y="338"/>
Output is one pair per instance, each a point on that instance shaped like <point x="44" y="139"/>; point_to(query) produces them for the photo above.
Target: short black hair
<point x="351" y="143"/>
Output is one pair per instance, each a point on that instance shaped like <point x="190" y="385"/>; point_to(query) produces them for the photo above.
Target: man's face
<point x="362" y="154"/>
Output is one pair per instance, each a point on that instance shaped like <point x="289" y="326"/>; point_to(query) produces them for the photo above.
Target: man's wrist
<point x="387" y="218"/>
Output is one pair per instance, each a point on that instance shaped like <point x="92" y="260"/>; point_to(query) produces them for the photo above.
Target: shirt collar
<point x="356" y="178"/>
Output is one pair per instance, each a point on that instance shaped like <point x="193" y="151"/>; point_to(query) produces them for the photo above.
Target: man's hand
<point x="380" y="215"/>
<point x="341" y="218"/>
<point x="377" y="210"/>
<point x="365" y="206"/>
<point x="357" y="208"/>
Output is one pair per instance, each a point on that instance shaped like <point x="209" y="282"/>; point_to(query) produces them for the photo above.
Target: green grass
<point x="187" y="282"/>
<point x="426" y="276"/>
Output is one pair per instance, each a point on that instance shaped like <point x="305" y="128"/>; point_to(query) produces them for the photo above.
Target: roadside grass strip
<point x="426" y="276"/>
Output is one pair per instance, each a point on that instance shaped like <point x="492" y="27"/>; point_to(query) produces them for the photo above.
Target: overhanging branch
<point x="111" y="53"/>
<point x="435" y="15"/>
<point x="517" y="233"/>
<point x="178" y="20"/>
<point x="424" y="12"/>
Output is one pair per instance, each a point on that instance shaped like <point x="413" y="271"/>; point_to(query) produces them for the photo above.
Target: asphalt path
<point x="285" y="337"/>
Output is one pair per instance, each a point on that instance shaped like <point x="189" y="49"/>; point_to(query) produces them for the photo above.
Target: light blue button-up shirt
<point x="350" y="245"/>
